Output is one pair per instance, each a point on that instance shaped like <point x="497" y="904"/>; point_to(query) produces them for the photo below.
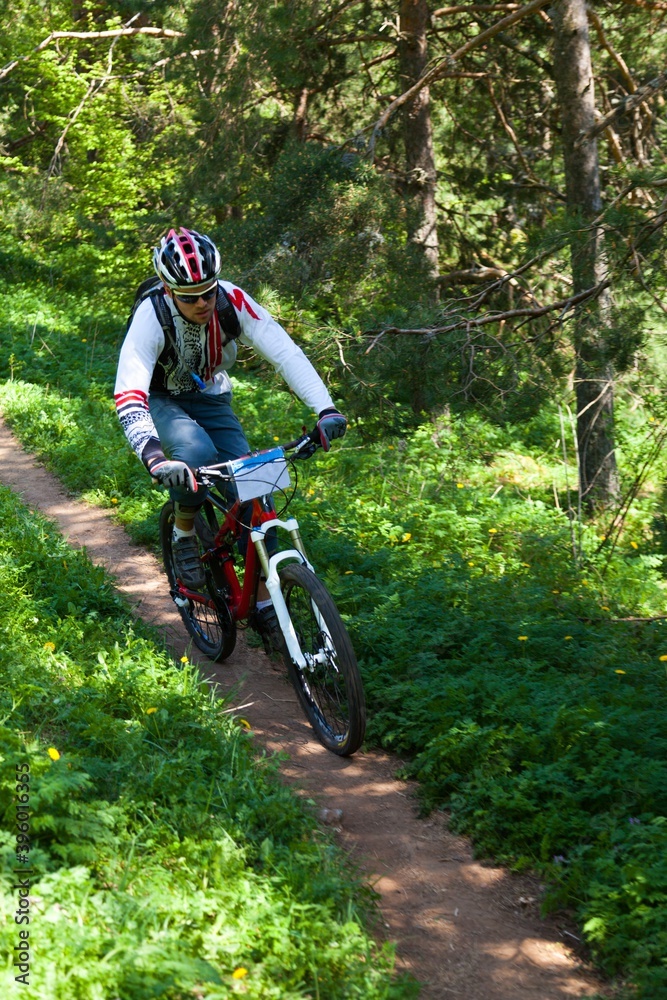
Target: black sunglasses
<point x="190" y="300"/>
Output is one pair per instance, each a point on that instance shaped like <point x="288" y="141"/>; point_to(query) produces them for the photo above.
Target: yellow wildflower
<point x="471" y="564"/>
<point x="460" y="486"/>
<point x="114" y="500"/>
<point x="348" y="572"/>
<point x="663" y="658"/>
<point x="634" y="545"/>
<point x="276" y="438"/>
<point x="151" y="711"/>
<point x="619" y="671"/>
<point x="184" y="659"/>
<point x="604" y="607"/>
<point x="406" y="537"/>
<point x="50" y="646"/>
<point x="568" y="637"/>
<point x="239" y="973"/>
<point x="53" y="753"/>
<point x="522" y="638"/>
<point x="493" y="531"/>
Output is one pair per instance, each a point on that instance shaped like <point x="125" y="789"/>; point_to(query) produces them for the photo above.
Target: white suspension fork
<point x="270" y="565"/>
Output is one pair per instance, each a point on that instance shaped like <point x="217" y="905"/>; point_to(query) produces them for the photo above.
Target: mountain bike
<point x="239" y="513"/>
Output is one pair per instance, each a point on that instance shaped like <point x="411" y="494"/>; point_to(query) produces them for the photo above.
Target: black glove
<point x="330" y="426"/>
<point x="174" y="474"/>
<point x="305" y="446"/>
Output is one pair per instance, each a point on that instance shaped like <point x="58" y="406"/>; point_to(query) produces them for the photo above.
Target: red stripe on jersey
<point x="213" y="345"/>
<point x="131" y="396"/>
<point x="239" y="300"/>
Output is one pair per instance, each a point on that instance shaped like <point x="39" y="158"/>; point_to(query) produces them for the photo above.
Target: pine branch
<point x="649" y="229"/>
<point x="441" y="68"/>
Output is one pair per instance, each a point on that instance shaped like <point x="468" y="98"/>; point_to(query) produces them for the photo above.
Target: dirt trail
<point x="463" y="928"/>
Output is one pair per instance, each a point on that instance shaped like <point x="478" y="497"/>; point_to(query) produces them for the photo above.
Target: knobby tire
<point x="212" y="629"/>
<point x="331" y="693"/>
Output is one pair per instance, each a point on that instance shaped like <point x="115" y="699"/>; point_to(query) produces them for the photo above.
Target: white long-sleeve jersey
<point x="149" y="362"/>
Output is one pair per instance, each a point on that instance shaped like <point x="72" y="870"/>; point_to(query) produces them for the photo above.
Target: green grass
<point x="442" y="548"/>
<point x="166" y="854"/>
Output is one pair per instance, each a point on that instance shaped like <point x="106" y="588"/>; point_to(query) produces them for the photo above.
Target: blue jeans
<point x="198" y="429"/>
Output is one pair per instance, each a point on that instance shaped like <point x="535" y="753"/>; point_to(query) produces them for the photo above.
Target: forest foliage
<point x="449" y="521"/>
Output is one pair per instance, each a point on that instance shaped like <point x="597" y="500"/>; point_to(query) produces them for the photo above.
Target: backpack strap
<point x="152" y="288"/>
<point x="227" y="315"/>
<point x="165" y="319"/>
<point x="143" y="292"/>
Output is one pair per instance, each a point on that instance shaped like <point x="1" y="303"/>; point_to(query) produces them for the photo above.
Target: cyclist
<point x="173" y="393"/>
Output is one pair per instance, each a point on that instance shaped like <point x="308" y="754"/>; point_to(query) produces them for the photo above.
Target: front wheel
<point x="208" y="620"/>
<point x="329" y="686"/>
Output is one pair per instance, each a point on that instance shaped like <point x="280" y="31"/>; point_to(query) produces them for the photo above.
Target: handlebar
<point x="302" y="447"/>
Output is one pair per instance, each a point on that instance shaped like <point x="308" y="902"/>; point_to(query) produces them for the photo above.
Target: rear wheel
<point x="208" y="621"/>
<point x="329" y="686"/>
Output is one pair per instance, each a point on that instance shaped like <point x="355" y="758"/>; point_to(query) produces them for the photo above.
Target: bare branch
<point x="527" y="314"/>
<point x="618" y="59"/>
<point x="332" y="16"/>
<point x="92" y="88"/>
<point x="528" y="54"/>
<point x="474" y="275"/>
<point x="647" y="4"/>
<point x="475" y="8"/>
<point x="111" y="33"/>
<point x="352" y="39"/>
<point x="628" y="104"/>
<point x="564" y="305"/>
<point x="510" y="132"/>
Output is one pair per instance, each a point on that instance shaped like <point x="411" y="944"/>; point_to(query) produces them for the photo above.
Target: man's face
<point x="199" y="311"/>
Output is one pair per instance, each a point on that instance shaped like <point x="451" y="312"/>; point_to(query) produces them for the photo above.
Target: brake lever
<point x="208" y="477"/>
<point x="305" y="447"/>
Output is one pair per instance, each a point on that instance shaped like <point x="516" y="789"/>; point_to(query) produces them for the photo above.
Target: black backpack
<point x="151" y="289"/>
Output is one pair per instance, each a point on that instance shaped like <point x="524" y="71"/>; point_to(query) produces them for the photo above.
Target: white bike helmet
<point x="186" y="260"/>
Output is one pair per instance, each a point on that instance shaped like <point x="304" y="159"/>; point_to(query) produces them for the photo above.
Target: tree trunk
<point x="299" y="122"/>
<point x="594" y="376"/>
<point x="417" y="131"/>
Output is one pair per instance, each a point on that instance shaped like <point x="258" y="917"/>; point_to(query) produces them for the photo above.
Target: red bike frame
<point x="240" y="597"/>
